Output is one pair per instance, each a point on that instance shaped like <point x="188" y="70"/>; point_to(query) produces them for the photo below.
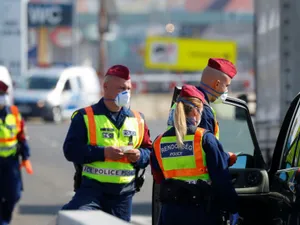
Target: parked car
<point x="268" y="195"/>
<point x="6" y="78"/>
<point x="55" y="93"/>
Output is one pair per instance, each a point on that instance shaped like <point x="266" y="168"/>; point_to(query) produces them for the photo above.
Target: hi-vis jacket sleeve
<point x="23" y="144"/>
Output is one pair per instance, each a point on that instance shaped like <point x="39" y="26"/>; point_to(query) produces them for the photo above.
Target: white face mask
<point x="4" y="100"/>
<point x="221" y="99"/>
<point x="123" y="99"/>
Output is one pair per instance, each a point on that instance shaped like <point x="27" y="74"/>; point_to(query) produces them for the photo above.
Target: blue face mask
<point x="222" y="95"/>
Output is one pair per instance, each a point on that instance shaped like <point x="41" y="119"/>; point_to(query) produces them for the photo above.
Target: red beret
<point x="119" y="71"/>
<point x="191" y="91"/>
<point x="3" y="87"/>
<point x="223" y="65"/>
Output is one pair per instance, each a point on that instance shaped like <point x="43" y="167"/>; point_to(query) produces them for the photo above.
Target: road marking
<point x="141" y="220"/>
<point x="70" y="194"/>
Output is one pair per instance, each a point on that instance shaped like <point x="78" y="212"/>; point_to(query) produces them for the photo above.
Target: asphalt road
<point x="51" y="185"/>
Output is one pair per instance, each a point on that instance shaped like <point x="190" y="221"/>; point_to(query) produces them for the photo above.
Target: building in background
<point x="131" y="22"/>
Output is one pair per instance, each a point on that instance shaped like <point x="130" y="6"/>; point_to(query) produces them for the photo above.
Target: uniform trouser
<point x="117" y="205"/>
<point x="10" y="188"/>
<point x="176" y="214"/>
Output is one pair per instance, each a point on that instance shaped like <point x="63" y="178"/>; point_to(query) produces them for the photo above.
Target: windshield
<point x="234" y="131"/>
<point x="41" y="83"/>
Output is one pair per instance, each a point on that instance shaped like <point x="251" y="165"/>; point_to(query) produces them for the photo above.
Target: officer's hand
<point x="133" y="155"/>
<point x="232" y="158"/>
<point x="113" y="153"/>
<point x="27" y="165"/>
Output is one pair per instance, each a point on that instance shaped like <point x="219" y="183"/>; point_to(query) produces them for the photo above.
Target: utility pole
<point x="102" y="27"/>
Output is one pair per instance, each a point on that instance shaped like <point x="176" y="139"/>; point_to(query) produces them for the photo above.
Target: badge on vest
<point x="128" y="133"/>
<point x="108" y="135"/>
<point x="107" y="129"/>
<point x="169" y="150"/>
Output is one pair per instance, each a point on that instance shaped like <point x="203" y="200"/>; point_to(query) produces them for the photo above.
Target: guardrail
<point x="164" y="83"/>
<point x="80" y="217"/>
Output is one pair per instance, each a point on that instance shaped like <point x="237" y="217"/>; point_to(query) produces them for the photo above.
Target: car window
<point x="234" y="131"/>
<point x="41" y="83"/>
<point x="67" y="86"/>
<point x="79" y="84"/>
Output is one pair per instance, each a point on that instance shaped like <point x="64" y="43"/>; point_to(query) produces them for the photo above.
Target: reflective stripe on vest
<point x="102" y="132"/>
<point x="8" y="133"/>
<point x="216" y="124"/>
<point x="217" y="129"/>
<point x="188" y="164"/>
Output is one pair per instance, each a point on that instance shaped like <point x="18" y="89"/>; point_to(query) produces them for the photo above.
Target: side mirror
<point x="243" y="161"/>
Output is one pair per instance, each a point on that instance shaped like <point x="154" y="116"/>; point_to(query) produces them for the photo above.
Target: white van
<point x="55" y="93"/>
<point x="6" y="78"/>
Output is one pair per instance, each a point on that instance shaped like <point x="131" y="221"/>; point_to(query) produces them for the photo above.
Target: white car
<point x="55" y="93"/>
<point x="6" y="78"/>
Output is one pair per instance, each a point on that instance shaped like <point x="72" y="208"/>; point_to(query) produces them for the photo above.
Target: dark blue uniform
<point x="207" y="118"/>
<point x="115" y="199"/>
<point x="217" y="164"/>
<point x="10" y="175"/>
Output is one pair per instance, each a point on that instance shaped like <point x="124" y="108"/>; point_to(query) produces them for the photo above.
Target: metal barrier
<point x="165" y="83"/>
<point x="79" y="217"/>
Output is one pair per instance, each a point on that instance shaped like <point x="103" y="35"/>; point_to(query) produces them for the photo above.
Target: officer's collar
<point x="191" y="128"/>
<point x="203" y="91"/>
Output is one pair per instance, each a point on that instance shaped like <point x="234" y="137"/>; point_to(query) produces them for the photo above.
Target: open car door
<point x="284" y="172"/>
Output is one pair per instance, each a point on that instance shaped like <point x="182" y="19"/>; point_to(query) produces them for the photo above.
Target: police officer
<point x="110" y="141"/>
<point x="215" y="80"/>
<point x="192" y="168"/>
<point x="12" y="144"/>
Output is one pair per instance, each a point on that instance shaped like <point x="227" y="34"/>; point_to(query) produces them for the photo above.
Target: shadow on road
<point x="39" y="209"/>
<point x="143" y="208"/>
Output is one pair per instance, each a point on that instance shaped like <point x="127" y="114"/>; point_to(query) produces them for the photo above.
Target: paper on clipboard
<point x="126" y="148"/>
<point x="238" y="153"/>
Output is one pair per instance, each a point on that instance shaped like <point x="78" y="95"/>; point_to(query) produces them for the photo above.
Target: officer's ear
<point x="216" y="84"/>
<point x="105" y="86"/>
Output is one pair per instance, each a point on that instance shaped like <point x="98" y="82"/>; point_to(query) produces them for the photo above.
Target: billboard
<point x="185" y="54"/>
<point x="49" y="15"/>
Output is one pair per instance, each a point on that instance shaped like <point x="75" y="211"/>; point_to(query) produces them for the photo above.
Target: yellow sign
<point x="186" y="54"/>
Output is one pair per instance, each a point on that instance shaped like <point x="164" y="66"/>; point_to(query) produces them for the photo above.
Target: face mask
<point x="192" y="121"/>
<point x="3" y="100"/>
<point x="221" y="99"/>
<point x="123" y="99"/>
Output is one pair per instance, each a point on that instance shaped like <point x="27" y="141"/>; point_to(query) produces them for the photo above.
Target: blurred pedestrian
<point x="13" y="144"/>
<point x="111" y="142"/>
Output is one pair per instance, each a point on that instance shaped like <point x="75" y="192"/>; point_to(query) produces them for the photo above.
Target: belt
<point x="181" y="192"/>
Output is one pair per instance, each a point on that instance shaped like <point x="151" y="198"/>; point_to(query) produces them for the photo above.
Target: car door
<point x="286" y="161"/>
